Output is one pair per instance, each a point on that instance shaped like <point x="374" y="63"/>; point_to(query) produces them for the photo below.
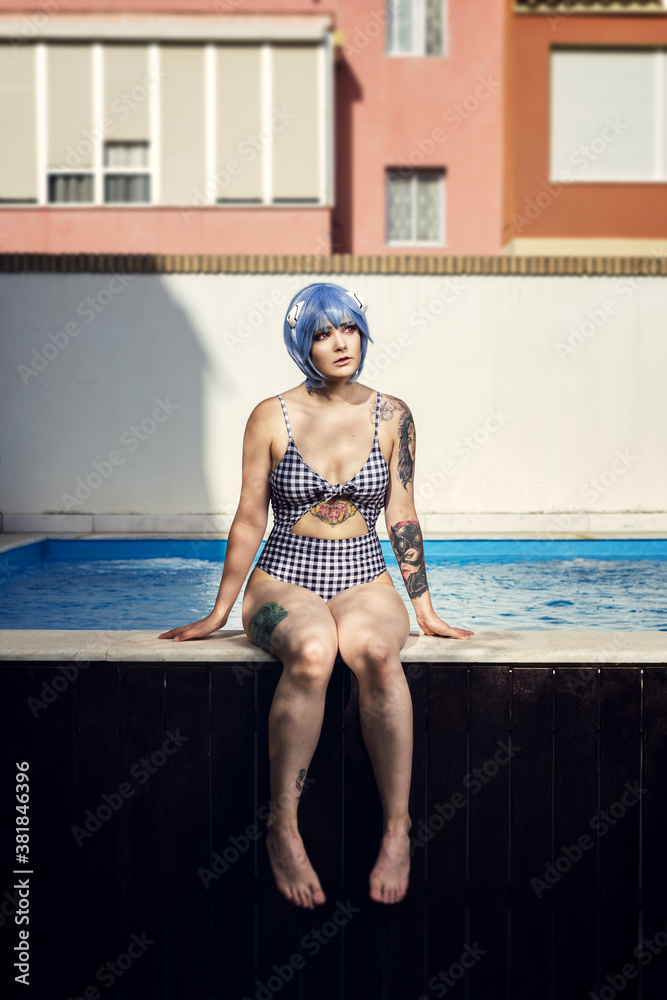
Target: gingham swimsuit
<point x="324" y="565"/>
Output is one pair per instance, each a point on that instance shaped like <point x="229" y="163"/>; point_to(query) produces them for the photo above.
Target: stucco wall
<point x="539" y="401"/>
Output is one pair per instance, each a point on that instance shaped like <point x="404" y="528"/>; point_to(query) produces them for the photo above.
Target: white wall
<point x="532" y="396"/>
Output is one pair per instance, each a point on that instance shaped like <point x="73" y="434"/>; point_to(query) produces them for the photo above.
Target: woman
<point x="321" y="583"/>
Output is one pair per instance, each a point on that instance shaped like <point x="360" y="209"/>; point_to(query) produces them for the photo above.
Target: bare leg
<point x="298" y="628"/>
<point x="373" y="625"/>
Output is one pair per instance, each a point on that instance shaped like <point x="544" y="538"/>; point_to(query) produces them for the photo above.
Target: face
<point x="336" y="352"/>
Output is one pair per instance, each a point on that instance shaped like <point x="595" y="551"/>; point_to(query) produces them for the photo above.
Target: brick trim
<point x="324" y="264"/>
<point x="589" y="6"/>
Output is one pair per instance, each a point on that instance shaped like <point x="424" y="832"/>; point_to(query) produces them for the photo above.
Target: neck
<point x="338" y="391"/>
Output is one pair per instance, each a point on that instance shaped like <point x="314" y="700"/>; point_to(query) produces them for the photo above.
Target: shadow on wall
<point x="102" y="388"/>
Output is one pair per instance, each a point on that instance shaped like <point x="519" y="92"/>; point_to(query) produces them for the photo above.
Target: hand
<point x="432" y="625"/>
<point x="197" y="630"/>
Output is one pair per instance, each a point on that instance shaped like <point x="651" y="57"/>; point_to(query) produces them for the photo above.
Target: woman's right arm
<point x="247" y="528"/>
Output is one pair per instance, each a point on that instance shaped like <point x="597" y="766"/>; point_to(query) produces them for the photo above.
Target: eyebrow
<point x="325" y="329"/>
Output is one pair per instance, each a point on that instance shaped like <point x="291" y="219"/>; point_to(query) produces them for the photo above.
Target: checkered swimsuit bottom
<point x="324" y="565"/>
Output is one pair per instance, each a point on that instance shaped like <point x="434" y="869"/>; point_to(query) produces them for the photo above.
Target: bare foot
<point x="389" y="878"/>
<point x="294" y="874"/>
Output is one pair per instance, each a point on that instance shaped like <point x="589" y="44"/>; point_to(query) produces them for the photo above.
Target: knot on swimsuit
<point x="339" y="490"/>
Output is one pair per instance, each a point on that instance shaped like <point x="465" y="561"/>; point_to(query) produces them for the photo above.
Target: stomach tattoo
<point x="334" y="511"/>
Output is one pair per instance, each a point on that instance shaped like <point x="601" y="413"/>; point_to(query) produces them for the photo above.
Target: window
<point x="415" y="27"/>
<point x="608" y="120"/>
<point x="196" y="124"/>
<point x="416" y="207"/>
<point x="126" y="175"/>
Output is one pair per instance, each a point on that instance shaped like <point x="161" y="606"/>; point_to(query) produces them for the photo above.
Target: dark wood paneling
<point x="620" y="779"/>
<point x="531" y="959"/>
<point x="143" y="873"/>
<point x="98" y="781"/>
<point x="55" y="809"/>
<point x="227" y="881"/>
<point x="446" y="833"/>
<point x="576" y="803"/>
<point x="488" y="784"/>
<point x="139" y="872"/>
<point x="18" y="722"/>
<point x="188" y="839"/>
<point x="654" y="836"/>
<point x="406" y="921"/>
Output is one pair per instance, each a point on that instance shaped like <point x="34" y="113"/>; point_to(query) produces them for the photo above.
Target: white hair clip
<point x="293" y="314"/>
<point x="358" y="299"/>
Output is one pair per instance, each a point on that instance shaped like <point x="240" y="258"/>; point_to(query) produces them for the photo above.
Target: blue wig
<point x="322" y="302"/>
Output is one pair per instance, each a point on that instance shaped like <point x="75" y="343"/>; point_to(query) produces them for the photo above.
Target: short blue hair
<point x="322" y="302"/>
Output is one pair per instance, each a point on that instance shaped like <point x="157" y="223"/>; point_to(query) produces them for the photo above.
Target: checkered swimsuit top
<point x="324" y="565"/>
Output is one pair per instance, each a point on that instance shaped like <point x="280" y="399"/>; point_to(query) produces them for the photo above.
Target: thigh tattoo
<point x="263" y="622"/>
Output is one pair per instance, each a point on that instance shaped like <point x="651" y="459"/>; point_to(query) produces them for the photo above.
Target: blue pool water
<point x="480" y="584"/>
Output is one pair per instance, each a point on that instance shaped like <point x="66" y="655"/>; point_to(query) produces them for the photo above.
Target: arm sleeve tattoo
<point x="406" y="436"/>
<point x="406" y="447"/>
<point x="408" y="546"/>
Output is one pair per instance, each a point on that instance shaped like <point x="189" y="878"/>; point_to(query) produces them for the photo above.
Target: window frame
<point x="418" y="32"/>
<point x="441" y="242"/>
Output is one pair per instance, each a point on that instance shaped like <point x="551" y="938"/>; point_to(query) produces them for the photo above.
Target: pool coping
<point x="487" y="646"/>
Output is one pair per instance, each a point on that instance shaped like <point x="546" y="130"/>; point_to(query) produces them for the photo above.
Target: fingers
<point x="180" y="633"/>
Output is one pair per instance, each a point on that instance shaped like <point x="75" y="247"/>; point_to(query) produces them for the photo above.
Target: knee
<point x="376" y="657"/>
<point x="311" y="661"/>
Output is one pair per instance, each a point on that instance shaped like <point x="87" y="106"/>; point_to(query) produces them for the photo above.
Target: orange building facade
<point x="332" y="126"/>
<point x="588" y="174"/>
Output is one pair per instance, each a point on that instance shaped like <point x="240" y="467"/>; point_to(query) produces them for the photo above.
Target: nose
<point x="339" y="340"/>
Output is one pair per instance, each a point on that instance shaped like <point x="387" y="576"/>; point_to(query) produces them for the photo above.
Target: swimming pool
<point x="156" y="583"/>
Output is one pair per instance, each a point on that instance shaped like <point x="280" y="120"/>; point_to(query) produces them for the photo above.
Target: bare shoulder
<point x="393" y="408"/>
<point x="266" y="412"/>
<point x="265" y="420"/>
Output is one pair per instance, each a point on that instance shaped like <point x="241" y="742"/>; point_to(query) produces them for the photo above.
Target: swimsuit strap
<point x="377" y="416"/>
<point x="289" y="429"/>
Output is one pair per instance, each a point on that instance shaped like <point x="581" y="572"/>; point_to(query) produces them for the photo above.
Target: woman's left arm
<point x="402" y="522"/>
